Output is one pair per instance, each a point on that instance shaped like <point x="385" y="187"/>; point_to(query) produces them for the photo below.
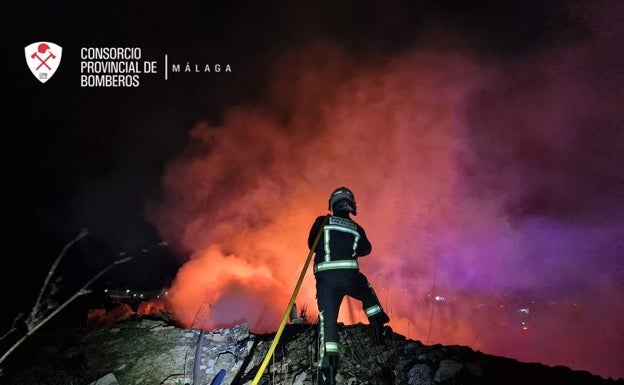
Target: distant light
<point x="127" y="290"/>
<point x="524" y="310"/>
<point x="105" y="290"/>
<point x="439" y="298"/>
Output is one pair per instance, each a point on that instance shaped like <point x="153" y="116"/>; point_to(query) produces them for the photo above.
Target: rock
<point x="300" y="378"/>
<point x="447" y="370"/>
<point x="474" y="369"/>
<point x="420" y="374"/>
<point x="108" y="379"/>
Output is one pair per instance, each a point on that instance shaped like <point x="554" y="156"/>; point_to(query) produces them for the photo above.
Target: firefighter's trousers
<point x="331" y="287"/>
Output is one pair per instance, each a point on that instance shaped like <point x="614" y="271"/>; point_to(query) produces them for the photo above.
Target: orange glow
<point x="245" y="195"/>
<point x="435" y="147"/>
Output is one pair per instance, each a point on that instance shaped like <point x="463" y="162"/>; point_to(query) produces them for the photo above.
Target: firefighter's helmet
<point x="43" y="47"/>
<point x="342" y="199"/>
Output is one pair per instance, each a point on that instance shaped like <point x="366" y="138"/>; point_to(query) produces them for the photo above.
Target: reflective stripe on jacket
<point x="335" y="265"/>
<point x="340" y="244"/>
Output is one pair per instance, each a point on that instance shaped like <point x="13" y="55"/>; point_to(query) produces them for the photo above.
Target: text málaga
<point x="200" y="68"/>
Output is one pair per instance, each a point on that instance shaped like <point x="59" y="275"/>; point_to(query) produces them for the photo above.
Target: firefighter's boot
<point x="330" y="372"/>
<point x="330" y="376"/>
<point x="377" y="327"/>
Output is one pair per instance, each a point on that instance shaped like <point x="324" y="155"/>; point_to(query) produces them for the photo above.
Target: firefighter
<point x="337" y="274"/>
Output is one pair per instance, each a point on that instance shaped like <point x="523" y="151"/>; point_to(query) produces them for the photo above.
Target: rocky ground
<point x="152" y="350"/>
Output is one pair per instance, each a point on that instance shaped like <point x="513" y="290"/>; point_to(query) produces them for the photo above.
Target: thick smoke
<point x="490" y="189"/>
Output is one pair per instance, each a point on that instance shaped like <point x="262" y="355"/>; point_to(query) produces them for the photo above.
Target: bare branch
<point x="98" y="275"/>
<point x="39" y="324"/>
<point x="36" y="310"/>
<point x="33" y="321"/>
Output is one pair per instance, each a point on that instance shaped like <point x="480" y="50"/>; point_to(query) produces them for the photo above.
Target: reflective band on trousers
<point x="371" y="311"/>
<point x="321" y="352"/>
<point x="331" y="347"/>
<point x="333" y="265"/>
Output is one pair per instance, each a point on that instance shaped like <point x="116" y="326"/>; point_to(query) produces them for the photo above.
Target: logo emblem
<point x="43" y="58"/>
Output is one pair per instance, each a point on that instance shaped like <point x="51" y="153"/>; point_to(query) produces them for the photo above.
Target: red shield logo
<point x="43" y="59"/>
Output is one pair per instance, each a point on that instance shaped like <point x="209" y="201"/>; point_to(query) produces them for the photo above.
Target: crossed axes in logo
<point x="43" y="61"/>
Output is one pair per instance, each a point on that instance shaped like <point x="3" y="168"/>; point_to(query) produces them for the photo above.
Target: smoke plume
<point x="491" y="190"/>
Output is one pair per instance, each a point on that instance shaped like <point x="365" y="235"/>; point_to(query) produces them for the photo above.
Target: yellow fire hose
<point x="265" y="362"/>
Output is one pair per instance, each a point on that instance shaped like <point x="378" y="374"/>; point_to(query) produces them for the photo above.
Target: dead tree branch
<point x="35" y="321"/>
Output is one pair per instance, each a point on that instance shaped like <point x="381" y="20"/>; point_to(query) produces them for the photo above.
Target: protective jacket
<point x="342" y="240"/>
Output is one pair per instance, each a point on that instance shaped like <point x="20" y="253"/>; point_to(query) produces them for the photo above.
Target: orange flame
<point x="244" y="196"/>
<point x="242" y="199"/>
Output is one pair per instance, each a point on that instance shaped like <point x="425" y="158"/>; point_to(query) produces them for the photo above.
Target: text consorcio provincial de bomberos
<point x="112" y="67"/>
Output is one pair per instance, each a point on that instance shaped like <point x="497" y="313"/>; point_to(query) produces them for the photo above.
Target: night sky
<point x="483" y="142"/>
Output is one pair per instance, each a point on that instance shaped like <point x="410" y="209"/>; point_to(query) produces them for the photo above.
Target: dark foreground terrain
<point x="153" y="350"/>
